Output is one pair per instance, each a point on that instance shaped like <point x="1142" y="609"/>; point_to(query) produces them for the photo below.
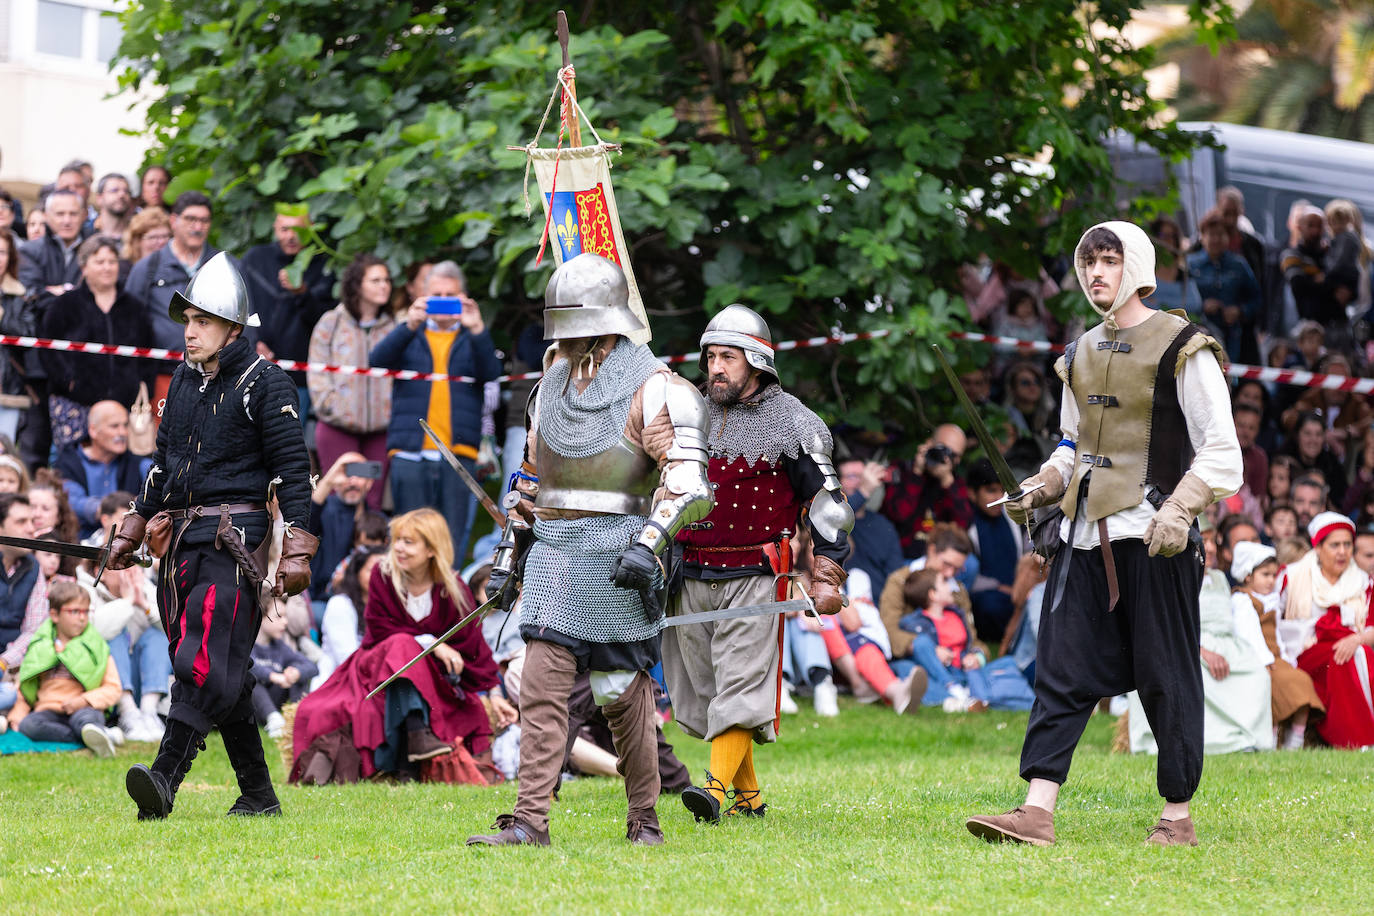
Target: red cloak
<point x="388" y="643"/>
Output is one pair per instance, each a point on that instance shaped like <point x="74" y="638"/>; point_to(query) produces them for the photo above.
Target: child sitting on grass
<point x="281" y="674"/>
<point x="1293" y="698"/>
<point x="67" y="679"/>
<point x="944" y="644"/>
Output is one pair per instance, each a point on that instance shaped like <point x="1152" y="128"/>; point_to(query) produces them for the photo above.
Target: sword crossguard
<point x="1012" y="497"/>
<point x="810" y="610"/>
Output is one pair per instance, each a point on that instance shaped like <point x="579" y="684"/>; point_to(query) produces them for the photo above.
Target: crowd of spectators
<point x="944" y="594"/>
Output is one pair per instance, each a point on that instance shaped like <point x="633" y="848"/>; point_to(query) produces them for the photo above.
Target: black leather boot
<point x="154" y="788"/>
<point x="243" y="744"/>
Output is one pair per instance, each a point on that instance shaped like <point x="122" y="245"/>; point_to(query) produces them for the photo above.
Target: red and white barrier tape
<point x="1295" y="377"/>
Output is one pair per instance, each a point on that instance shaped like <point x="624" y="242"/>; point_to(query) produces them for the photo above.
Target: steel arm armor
<point x="830" y="513"/>
<point x="690" y="496"/>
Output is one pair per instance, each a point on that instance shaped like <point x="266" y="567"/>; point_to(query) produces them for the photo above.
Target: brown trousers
<point x="548" y="680"/>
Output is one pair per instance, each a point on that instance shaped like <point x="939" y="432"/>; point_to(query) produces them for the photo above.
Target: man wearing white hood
<point x="1148" y="443"/>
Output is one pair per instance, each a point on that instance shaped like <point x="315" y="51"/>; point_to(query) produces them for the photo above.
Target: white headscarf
<point x="1138" y="273"/>
<point x="1246" y="556"/>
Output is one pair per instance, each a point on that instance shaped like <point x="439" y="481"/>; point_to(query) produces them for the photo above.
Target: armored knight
<point x="771" y="469"/>
<point x="230" y="442"/>
<point x="1148" y="443"/>
<point x="617" y="444"/>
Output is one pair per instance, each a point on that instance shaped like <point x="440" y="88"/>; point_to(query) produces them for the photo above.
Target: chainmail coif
<point x="767" y="425"/>
<point x="581" y="425"/>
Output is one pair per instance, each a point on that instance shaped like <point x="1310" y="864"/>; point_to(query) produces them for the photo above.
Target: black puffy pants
<point x="211" y="613"/>
<point x="1149" y="643"/>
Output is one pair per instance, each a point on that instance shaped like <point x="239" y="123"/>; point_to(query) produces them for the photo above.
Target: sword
<point x="487" y="502"/>
<point x="476" y="612"/>
<point x="980" y="432"/>
<point x="751" y="610"/>
<point x="80" y="551"/>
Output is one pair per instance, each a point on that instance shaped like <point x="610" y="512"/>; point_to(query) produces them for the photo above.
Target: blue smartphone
<point x="444" y="305"/>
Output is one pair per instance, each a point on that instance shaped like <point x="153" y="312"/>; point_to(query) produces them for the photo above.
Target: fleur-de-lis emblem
<point x="567" y="231"/>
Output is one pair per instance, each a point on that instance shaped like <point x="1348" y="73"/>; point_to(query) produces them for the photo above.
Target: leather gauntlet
<point x="127" y="539"/>
<point x="827" y="585"/>
<point x="293" y="571"/>
<point x="1049" y="494"/>
<point x="1167" y="533"/>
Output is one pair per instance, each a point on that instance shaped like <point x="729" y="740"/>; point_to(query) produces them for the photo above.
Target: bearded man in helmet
<point x="615" y="467"/>
<point x="1148" y="444"/>
<point x="229" y="442"/>
<point x="771" y="468"/>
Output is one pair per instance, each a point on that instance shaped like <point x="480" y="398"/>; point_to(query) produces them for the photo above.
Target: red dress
<point x="1344" y="689"/>
<point x="388" y="643"/>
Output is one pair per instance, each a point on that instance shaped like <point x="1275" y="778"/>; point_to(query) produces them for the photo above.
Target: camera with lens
<point x="937" y="455"/>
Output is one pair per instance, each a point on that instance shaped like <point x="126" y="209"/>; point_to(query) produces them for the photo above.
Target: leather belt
<point x="192" y="512"/>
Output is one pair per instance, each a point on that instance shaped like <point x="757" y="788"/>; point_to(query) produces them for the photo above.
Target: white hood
<point x="1138" y="274"/>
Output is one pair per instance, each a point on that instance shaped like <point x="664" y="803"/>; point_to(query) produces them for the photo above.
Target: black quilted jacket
<point x="227" y="442"/>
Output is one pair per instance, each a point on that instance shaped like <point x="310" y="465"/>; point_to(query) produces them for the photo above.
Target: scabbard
<point x="253" y="563"/>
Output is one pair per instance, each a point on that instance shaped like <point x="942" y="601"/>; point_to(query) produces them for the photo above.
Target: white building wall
<point x="53" y="107"/>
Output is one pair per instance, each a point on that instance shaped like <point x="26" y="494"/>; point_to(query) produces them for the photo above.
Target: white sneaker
<point x="276" y="724"/>
<point x="154" y="726"/>
<point x="98" y="740"/>
<point x="116" y="735"/>
<point x="4" y="725"/>
<point x="824" y="698"/>
<point x="785" y="702"/>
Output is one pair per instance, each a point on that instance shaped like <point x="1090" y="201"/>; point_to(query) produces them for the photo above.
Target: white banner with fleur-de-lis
<point x="580" y="211"/>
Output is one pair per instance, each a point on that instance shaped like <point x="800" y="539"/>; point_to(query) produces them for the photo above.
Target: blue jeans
<point x="1001" y="685"/>
<point x="805" y="659"/>
<point x="433" y="484"/>
<point x="144" y="667"/>
<point x="941" y="676"/>
<point x="8" y="694"/>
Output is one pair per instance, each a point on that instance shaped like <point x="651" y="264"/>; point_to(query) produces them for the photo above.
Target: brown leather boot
<point x="1173" y="833"/>
<point x="641" y="828"/>
<point x="1025" y="824"/>
<point x="512" y="832"/>
<point x="422" y="744"/>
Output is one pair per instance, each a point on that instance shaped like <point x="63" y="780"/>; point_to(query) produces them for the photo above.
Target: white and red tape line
<point x="1281" y="376"/>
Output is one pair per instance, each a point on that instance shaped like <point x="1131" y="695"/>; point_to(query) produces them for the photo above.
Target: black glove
<point x="637" y="569"/>
<point x="501" y="579"/>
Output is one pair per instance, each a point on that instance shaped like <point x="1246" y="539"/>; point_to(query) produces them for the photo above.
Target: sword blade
<point x="80" y="551"/>
<point x="473" y="615"/>
<point x="980" y="432"/>
<point x="468" y="481"/>
<point x="728" y="613"/>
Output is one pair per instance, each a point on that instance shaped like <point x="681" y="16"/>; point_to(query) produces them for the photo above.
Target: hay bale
<point x="288" y="712"/>
<point x="1121" y="737"/>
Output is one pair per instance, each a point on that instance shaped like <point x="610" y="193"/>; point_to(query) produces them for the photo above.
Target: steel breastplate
<point x="618" y="481"/>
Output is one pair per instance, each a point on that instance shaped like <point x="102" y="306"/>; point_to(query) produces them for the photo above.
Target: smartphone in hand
<point x="372" y="470"/>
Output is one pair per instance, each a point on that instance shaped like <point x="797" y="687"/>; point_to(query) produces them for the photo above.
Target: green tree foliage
<point x="828" y="163"/>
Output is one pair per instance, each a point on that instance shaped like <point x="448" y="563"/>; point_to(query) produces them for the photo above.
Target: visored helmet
<point x="217" y="288"/>
<point x="588" y="297"/>
<point x="741" y="326"/>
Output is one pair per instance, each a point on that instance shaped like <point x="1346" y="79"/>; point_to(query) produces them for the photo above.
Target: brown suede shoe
<point x="642" y="829"/>
<point x="422" y="744"/>
<point x="1173" y="833"/>
<point x="1026" y="824"/>
<point x="512" y="832"/>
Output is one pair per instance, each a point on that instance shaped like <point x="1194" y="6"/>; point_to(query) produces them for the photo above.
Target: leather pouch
<point x="158" y="534"/>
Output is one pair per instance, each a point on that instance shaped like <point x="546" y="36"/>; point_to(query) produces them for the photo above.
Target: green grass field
<point x="865" y="816"/>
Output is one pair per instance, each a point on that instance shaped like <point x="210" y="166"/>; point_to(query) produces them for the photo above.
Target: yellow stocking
<point x="747" y="781"/>
<point x="728" y="750"/>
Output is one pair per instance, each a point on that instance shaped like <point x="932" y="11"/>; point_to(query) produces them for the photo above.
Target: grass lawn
<point x="865" y="816"/>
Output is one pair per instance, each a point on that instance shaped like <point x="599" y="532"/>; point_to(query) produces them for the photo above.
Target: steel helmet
<point x="217" y="288"/>
<point x="588" y="297"/>
<point x="740" y="326"/>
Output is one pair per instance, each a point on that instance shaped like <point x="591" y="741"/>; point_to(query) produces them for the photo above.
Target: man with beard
<point x="771" y="470"/>
<point x="618" y="442"/>
<point x="116" y="205"/>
